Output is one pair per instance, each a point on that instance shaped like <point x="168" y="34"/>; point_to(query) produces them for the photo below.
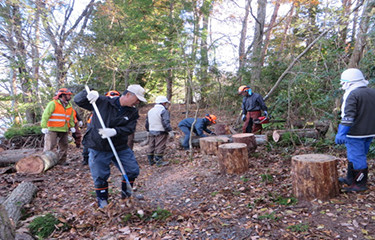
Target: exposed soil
<point x="202" y="202"/>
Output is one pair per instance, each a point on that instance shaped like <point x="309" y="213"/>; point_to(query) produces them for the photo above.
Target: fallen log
<point x="314" y="176"/>
<point x="209" y="145"/>
<point x="233" y="158"/>
<point x="278" y="135"/>
<point x="8" y="157"/>
<point x="37" y="163"/>
<point x="21" y="195"/>
<point x="7" y="230"/>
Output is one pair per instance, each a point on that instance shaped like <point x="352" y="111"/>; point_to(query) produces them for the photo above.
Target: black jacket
<point x="254" y="102"/>
<point x="359" y="112"/>
<point x="122" y="119"/>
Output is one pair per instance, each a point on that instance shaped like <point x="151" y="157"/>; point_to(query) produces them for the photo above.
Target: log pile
<point x="315" y="176"/>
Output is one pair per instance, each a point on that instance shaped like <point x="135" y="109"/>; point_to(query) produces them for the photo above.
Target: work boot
<point x="151" y="159"/>
<point x="85" y="161"/>
<point x="102" y="197"/>
<point x="359" y="181"/>
<point x="160" y="162"/>
<point x="348" y="180"/>
<point x="126" y="194"/>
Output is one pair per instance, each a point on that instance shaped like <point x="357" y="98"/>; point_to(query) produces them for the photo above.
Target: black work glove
<point x="212" y="133"/>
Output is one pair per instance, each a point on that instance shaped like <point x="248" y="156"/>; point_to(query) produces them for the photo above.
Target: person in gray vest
<point x="158" y="126"/>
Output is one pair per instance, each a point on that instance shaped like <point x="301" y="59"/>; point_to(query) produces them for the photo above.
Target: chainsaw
<point x="262" y="120"/>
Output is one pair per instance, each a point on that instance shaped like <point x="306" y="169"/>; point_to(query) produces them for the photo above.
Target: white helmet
<point x="352" y="75"/>
<point x="161" y="99"/>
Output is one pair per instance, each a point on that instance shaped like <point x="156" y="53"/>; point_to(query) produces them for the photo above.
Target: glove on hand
<point x="73" y="130"/>
<point x="92" y="96"/>
<point x="80" y="124"/>
<point x="44" y="130"/>
<point x="212" y="133"/>
<point x="107" y="132"/>
<point x="265" y="113"/>
<point x="243" y="117"/>
<point x="341" y="134"/>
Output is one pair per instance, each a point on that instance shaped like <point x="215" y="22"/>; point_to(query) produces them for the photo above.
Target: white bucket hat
<point x="138" y="91"/>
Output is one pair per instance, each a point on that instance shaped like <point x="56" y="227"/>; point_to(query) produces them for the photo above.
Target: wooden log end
<point x="32" y="164"/>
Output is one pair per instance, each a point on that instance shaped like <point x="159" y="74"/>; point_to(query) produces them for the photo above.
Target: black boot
<point x="85" y="161"/>
<point x="151" y="159"/>
<point x="359" y="183"/>
<point x="102" y="196"/>
<point x="125" y="193"/>
<point x="159" y="161"/>
<point x="348" y="180"/>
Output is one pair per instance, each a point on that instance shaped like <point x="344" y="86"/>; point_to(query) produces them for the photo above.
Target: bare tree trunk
<point x="241" y="49"/>
<point x="287" y="26"/>
<point x="361" y="39"/>
<point x="258" y="41"/>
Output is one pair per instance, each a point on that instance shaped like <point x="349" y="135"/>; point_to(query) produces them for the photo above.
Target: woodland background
<point x="291" y="52"/>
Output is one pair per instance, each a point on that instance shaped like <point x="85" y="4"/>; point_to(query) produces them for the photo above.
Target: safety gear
<point x="244" y="117"/>
<point x="63" y="91"/>
<point x="138" y="91"/>
<point x="102" y="197"/>
<point x="73" y="130"/>
<point x="112" y="93"/>
<point x="243" y="88"/>
<point x="44" y="130"/>
<point x="85" y="160"/>
<point x="341" y="134"/>
<point x="60" y="116"/>
<point x="92" y="96"/>
<point x="266" y="113"/>
<point x="80" y="124"/>
<point x="159" y="161"/>
<point x="211" y="118"/>
<point x="359" y="181"/>
<point x="107" y="132"/>
<point x="352" y="75"/>
<point x="212" y="133"/>
<point x="151" y="159"/>
<point x="348" y="180"/>
<point x="161" y="99"/>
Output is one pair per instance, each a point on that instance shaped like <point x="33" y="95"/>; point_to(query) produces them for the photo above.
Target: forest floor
<point x="191" y="199"/>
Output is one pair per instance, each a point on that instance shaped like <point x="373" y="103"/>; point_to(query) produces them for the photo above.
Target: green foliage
<point x="43" y="226"/>
<point x="25" y="130"/>
<point x="214" y="193"/>
<point x="268" y="178"/>
<point x="127" y="217"/>
<point x="244" y="179"/>
<point x="270" y="216"/>
<point x="160" y="214"/>
<point x="301" y="227"/>
<point x="285" y="200"/>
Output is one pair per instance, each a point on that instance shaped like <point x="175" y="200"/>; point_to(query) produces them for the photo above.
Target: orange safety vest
<point x="75" y="116"/>
<point x="60" y="116"/>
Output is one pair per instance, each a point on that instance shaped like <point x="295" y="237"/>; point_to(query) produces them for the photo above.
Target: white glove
<point x="73" y="130"/>
<point x="92" y="96"/>
<point x="243" y="117"/>
<point x="107" y="132"/>
<point x="80" y="124"/>
<point x="45" y="130"/>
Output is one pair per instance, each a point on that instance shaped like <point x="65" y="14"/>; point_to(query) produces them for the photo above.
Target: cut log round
<point x="233" y="158"/>
<point x="21" y="195"/>
<point x="37" y="163"/>
<point x="315" y="176"/>
<point x="277" y="135"/>
<point x="209" y="145"/>
<point x="248" y="139"/>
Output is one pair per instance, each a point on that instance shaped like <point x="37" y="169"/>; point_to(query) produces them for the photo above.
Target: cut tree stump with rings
<point x="233" y="158"/>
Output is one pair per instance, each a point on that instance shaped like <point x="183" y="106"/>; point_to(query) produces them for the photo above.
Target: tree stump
<point x="21" y="195"/>
<point x="209" y="145"/>
<point x="277" y="135"/>
<point x="248" y="139"/>
<point x="37" y="163"/>
<point x="315" y="176"/>
<point x="233" y="158"/>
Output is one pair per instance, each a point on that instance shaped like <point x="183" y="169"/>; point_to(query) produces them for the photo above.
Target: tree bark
<point x="21" y="195"/>
<point x="277" y="135"/>
<point x="7" y="230"/>
<point x="314" y="176"/>
<point x="221" y="129"/>
<point x="233" y="158"/>
<point x="209" y="145"/>
<point x="37" y="163"/>
<point x="13" y="156"/>
<point x="248" y="139"/>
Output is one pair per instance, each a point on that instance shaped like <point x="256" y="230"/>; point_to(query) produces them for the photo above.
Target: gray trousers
<point x="51" y="139"/>
<point x="157" y="144"/>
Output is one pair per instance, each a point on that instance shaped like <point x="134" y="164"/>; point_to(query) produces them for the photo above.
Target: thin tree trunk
<point x="241" y="49"/>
